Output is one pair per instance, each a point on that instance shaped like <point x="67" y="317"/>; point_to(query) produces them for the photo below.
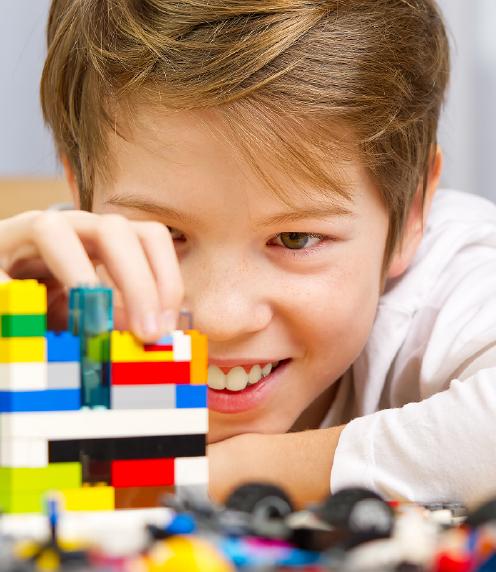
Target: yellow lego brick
<point x="23" y="350"/>
<point x="199" y="358"/>
<point x="89" y="498"/>
<point x="23" y="297"/>
<point x="124" y="347"/>
<point x="32" y="479"/>
<point x="21" y="501"/>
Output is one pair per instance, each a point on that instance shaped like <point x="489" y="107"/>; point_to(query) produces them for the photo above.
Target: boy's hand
<point x="64" y="249"/>
<point x="300" y="463"/>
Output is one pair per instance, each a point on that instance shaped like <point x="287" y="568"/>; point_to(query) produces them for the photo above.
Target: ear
<point x="414" y="228"/>
<point x="71" y="180"/>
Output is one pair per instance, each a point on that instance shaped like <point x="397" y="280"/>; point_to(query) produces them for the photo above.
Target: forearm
<point x="300" y="463"/>
<point x="438" y="449"/>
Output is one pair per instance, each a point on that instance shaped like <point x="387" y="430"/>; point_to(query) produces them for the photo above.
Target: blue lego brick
<point x="191" y="396"/>
<point x="63" y="347"/>
<point x="44" y="400"/>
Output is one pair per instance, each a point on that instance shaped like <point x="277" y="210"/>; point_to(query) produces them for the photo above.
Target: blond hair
<point x="292" y="76"/>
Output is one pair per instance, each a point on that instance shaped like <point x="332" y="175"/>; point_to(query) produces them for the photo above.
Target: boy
<point x="270" y="164"/>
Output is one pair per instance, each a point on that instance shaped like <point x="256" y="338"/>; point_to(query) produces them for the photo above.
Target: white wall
<point x="468" y="128"/>
<point x="25" y="144"/>
<point x="467" y="132"/>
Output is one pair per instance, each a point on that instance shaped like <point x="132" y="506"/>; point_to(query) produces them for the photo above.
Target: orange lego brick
<point x="140" y="497"/>
<point x="199" y="358"/>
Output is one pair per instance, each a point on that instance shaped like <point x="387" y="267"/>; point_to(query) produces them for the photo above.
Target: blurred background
<point x="30" y="176"/>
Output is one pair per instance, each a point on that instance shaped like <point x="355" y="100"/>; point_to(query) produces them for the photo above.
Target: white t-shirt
<point x="421" y="397"/>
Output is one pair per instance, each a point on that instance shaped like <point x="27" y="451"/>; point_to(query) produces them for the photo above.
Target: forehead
<point x="199" y="151"/>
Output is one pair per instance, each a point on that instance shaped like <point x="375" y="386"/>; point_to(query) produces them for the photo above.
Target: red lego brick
<point x="132" y="373"/>
<point x="158" y="348"/>
<point x="142" y="473"/>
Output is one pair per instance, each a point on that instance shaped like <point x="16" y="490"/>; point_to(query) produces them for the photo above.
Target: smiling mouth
<point x="235" y="379"/>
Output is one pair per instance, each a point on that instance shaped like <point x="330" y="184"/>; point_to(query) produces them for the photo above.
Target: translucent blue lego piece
<point x="90" y="310"/>
<point x="63" y="347"/>
<point x="95" y="383"/>
<point x="194" y="396"/>
<point x="42" y="400"/>
<point x="91" y="318"/>
<point x="164" y="341"/>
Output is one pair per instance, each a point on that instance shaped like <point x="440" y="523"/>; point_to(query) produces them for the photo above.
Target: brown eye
<point x="294" y="240"/>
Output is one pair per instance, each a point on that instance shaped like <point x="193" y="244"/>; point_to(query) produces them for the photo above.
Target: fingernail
<point x="169" y="320"/>
<point x="149" y="325"/>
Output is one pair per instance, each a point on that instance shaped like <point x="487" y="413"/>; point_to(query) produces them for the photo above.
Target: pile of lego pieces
<point x="93" y="413"/>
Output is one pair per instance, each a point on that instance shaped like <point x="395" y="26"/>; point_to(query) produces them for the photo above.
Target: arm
<point x="441" y="448"/>
<point x="300" y="463"/>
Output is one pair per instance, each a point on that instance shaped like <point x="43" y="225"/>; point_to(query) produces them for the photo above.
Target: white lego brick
<point x="181" y="346"/>
<point x="97" y="527"/>
<point x="104" y="423"/>
<point x="156" y="396"/>
<point x="20" y="453"/>
<point x="190" y="470"/>
<point x="23" y="376"/>
<point x="64" y="375"/>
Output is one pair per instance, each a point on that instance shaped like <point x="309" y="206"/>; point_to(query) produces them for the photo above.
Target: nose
<point x="228" y="297"/>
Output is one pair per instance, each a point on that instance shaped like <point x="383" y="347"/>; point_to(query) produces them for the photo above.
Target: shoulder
<point x="452" y="291"/>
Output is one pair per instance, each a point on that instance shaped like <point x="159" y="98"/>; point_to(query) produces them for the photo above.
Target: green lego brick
<point x="21" y="501"/>
<point x="32" y="479"/>
<point x="23" y="325"/>
<point x="98" y="348"/>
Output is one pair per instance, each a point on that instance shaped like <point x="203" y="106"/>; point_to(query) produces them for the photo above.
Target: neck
<point x="314" y="414"/>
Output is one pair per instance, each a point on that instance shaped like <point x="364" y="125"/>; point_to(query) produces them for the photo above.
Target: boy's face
<point x="259" y="284"/>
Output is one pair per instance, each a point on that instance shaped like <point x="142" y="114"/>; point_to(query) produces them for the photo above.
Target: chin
<point x="225" y="426"/>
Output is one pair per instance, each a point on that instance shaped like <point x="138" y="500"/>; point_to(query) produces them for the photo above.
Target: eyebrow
<point x="164" y="211"/>
<point x="318" y="212"/>
<point x="161" y="211"/>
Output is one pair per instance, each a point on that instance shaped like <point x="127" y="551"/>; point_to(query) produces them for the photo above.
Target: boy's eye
<point x="175" y="234"/>
<point x="298" y="240"/>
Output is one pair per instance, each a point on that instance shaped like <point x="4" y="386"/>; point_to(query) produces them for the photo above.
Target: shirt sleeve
<point x="440" y="449"/>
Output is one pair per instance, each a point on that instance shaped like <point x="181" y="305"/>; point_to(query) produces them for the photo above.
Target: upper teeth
<point x="236" y="378"/>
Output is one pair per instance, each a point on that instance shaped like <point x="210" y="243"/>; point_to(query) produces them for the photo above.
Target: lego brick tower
<point x="93" y="413"/>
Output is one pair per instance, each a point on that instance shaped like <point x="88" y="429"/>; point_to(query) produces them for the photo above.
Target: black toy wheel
<point x="260" y="499"/>
<point x="363" y="513"/>
<point x="484" y="514"/>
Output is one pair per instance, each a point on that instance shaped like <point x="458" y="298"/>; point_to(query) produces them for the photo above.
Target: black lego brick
<point x="127" y="448"/>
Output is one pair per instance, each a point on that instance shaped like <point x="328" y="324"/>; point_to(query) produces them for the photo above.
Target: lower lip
<point x="225" y="401"/>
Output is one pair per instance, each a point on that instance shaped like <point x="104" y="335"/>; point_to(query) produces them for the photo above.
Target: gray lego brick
<point x="63" y="375"/>
<point x="161" y="396"/>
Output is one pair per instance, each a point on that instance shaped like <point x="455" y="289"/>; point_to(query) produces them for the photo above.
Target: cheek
<point x="338" y="325"/>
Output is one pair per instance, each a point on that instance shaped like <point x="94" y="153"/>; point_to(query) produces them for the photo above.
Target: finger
<point x="159" y="249"/>
<point x="15" y="233"/>
<point x="123" y="256"/>
<point x="4" y="277"/>
<point x="62" y="250"/>
<point x="121" y="320"/>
